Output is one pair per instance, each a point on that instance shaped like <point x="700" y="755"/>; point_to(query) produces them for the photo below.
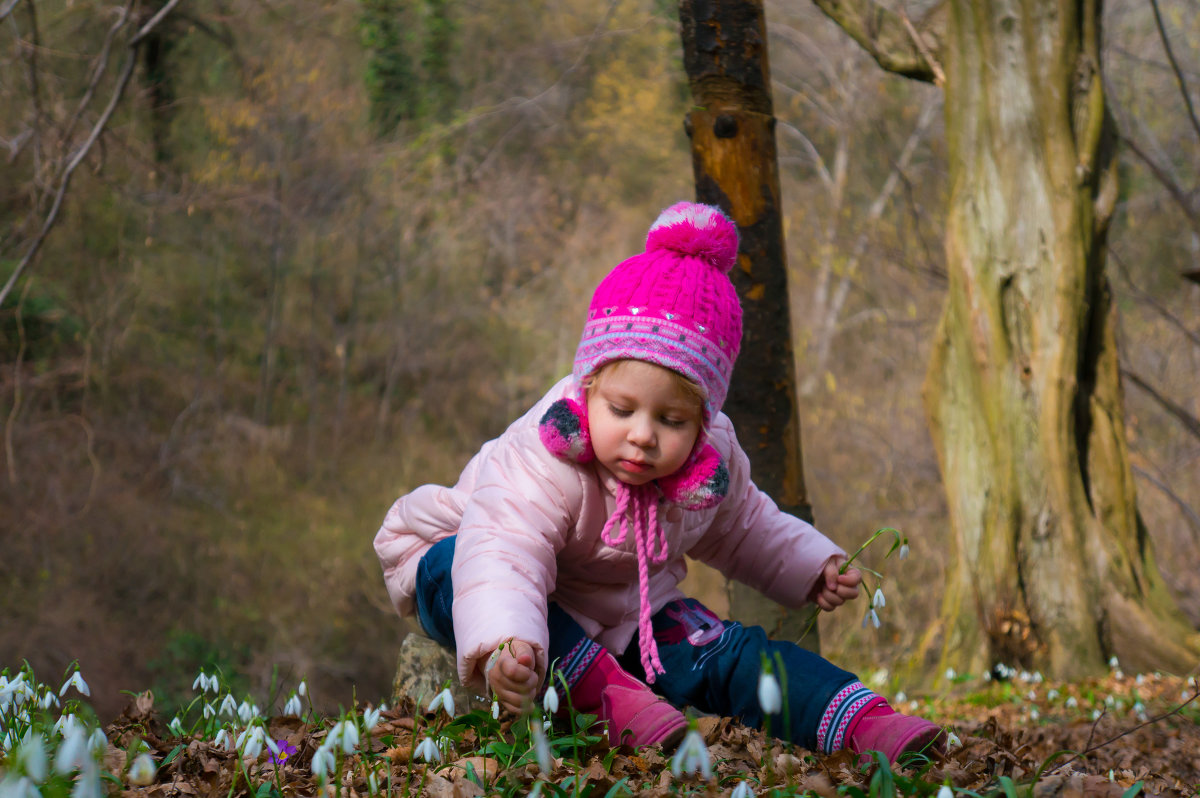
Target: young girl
<point x="562" y="544"/>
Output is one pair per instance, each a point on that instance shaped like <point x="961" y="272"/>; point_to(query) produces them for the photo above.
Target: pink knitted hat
<point x="672" y="305"/>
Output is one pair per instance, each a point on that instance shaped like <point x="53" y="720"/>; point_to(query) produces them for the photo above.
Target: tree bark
<point x="732" y="132"/>
<point x="1054" y="570"/>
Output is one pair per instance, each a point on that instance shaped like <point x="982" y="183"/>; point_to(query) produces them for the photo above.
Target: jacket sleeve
<point x="415" y="522"/>
<point x="515" y="523"/>
<point x="753" y="541"/>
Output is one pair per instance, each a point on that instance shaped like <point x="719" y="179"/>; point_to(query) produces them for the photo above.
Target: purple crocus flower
<point x="286" y="749"/>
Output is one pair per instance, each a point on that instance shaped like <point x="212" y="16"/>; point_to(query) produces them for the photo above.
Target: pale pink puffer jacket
<point x="529" y="525"/>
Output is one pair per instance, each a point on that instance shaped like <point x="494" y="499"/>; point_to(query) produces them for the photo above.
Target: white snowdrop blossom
<point x="953" y="741"/>
<point x="1034" y="714"/>
<point x="72" y="752"/>
<point x="904" y="550"/>
<point x="443" y="700"/>
<point x="323" y="763"/>
<point x="743" y="790"/>
<point x="1113" y="662"/>
<point x="77" y="682"/>
<point x="142" y="771"/>
<point x="495" y="710"/>
<point x="1072" y="702"/>
<point x="877" y="600"/>
<point x="344" y="734"/>
<point x="176" y="726"/>
<point x="251" y="741"/>
<point x="372" y="783"/>
<point x="901" y="697"/>
<point x="541" y="748"/>
<point x="692" y="757"/>
<point x="371" y="719"/>
<point x="292" y="707"/>
<point x="1051" y="694"/>
<point x="201" y="681"/>
<point x="31" y="756"/>
<point x="245" y="712"/>
<point x="48" y="700"/>
<point x="871" y="617"/>
<point x="950" y="674"/>
<point x="428" y="750"/>
<point x="1095" y="714"/>
<point x="15" y="786"/>
<point x="302" y="688"/>
<point x="222" y="739"/>
<point x="228" y="707"/>
<point x="550" y="700"/>
<point x="770" y="698"/>
<point x="208" y="710"/>
<point x="945" y="792"/>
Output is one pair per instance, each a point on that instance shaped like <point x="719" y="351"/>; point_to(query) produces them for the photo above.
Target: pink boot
<point x="881" y="728"/>
<point x="636" y="715"/>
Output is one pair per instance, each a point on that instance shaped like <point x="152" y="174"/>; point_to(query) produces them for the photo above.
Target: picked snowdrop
<point x="495" y="710"/>
<point x="692" y="757"/>
<point x="443" y="700"/>
<point x="878" y="600"/>
<point x="76" y="681"/>
<point x="872" y="617"/>
<point x="428" y="750"/>
<point x="550" y="700"/>
<point x="770" y="697"/>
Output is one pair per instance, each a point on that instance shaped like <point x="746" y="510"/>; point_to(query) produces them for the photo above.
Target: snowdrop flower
<point x="31" y="756"/>
<point x="1140" y="679"/>
<point x="200" y="681"/>
<point x="48" y="698"/>
<point x="987" y="676"/>
<point x="1051" y="694"/>
<point x="444" y="700"/>
<point x="692" y="757"/>
<point x="1034" y="714"/>
<point x="1139" y="709"/>
<point x="1072" y="702"/>
<point x="541" y="748"/>
<point x="1109" y="701"/>
<point x="871" y="617"/>
<point x="950" y="674"/>
<point x="323" y="763"/>
<point x="251" y="741"/>
<point x="901" y="697"/>
<point x="97" y="742"/>
<point x="292" y="707"/>
<point x="77" y="682"/>
<point x="176" y="726"/>
<point x="245" y="712"/>
<point x="142" y="771"/>
<point x="302" y="688"/>
<point x="19" y="787"/>
<point x="371" y="719"/>
<point x="208" y="711"/>
<point x="550" y="700"/>
<point x="495" y="710"/>
<point x="877" y="600"/>
<point x="1113" y="663"/>
<point x="228" y="707"/>
<point x="743" y="790"/>
<point x="428" y="751"/>
<point x="1038" y="678"/>
<point x="953" y="741"/>
<point x="1031" y="695"/>
<point x="222" y="739"/>
<point x="904" y="550"/>
<point x="372" y="783"/>
<point x="1095" y="714"/>
<point x="770" y="698"/>
<point x="945" y="792"/>
<point x="344" y="734"/>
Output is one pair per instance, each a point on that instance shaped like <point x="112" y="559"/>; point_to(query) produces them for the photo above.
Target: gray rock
<point x="423" y="669"/>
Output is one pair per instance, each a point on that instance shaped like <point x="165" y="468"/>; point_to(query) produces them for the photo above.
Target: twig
<point x="1165" y="488"/>
<point x="1183" y="87"/>
<point x="939" y="77"/>
<point x="85" y="148"/>
<point x="1148" y="299"/>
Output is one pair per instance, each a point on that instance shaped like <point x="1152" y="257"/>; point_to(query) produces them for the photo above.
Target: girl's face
<point x="643" y="424"/>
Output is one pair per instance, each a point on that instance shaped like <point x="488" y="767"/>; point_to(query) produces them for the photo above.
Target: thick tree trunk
<point x="1054" y="570"/>
<point x="732" y="130"/>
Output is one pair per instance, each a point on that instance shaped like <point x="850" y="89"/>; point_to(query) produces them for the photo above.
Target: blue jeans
<point x="710" y="664"/>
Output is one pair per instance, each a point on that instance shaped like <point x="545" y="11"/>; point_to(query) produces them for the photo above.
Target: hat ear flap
<point x="564" y="431"/>
<point x="700" y="484"/>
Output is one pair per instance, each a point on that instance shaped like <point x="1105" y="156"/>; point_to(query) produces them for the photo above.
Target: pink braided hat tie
<point x="640" y="502"/>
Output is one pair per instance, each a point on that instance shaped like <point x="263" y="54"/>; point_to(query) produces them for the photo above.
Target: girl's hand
<point x="512" y="675"/>
<point x="833" y="589"/>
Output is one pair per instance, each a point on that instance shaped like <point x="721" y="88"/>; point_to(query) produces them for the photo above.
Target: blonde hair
<point x="686" y="388"/>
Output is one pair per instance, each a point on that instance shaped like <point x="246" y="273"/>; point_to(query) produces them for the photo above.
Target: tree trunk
<point x="732" y="131"/>
<point x="1054" y="569"/>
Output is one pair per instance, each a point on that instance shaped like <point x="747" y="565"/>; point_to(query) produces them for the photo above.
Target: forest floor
<point x="1117" y="736"/>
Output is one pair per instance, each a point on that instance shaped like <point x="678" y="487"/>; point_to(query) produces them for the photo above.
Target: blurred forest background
<point x="323" y="250"/>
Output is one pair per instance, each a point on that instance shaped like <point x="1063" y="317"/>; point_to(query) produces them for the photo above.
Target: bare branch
<point x="1184" y="507"/>
<point x="1148" y="299"/>
<point x="52" y="216"/>
<point x="1183" y="87"/>
<point x="882" y="33"/>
